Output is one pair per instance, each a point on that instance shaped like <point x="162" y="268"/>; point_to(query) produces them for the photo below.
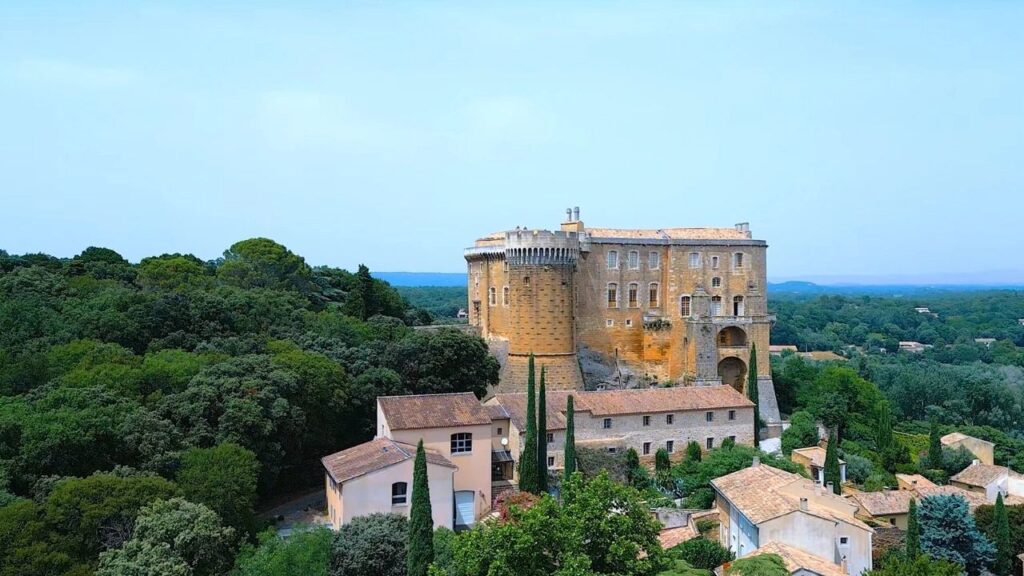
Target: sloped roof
<point x="515" y="406"/>
<point x="757" y="492"/>
<point x="884" y="503"/>
<point x="671" y="537"/>
<point x="497" y="411"/>
<point x="433" y="411"/>
<point x="954" y="437"/>
<point x="816" y="454"/>
<point x="980" y="475"/>
<point x="667" y="234"/>
<point x="974" y="499"/>
<point x="372" y="456"/>
<point x="797" y="559"/>
<point x="915" y="480"/>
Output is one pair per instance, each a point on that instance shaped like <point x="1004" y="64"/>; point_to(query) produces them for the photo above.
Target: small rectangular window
<point x="607" y="423"/>
<point x="737" y="260"/>
<point x="732" y="414"/>
<point x="844" y="540"/>
<point x="612" y="449"/>
<point x="647" y="420"/>
<point x="609" y="323"/>
<point x="733" y="439"/>
<point x="714" y="262"/>
<point x="670" y="446"/>
<point x="654" y="260"/>
<point x="551" y="461"/>
<point x="633" y="295"/>
<point x="652" y="295"/>
<point x="634" y="260"/>
<point x="694" y="259"/>
<point x="613" y="259"/>
<point x="647" y="448"/>
<point x="504" y="296"/>
<point x="499" y="430"/>
<point x="399" y="492"/>
<point x="629" y="322"/>
<point x="550" y="437"/>
<point x="669" y="418"/>
<point x="709" y="416"/>
<point x="492" y="296"/>
<point x="710" y="443"/>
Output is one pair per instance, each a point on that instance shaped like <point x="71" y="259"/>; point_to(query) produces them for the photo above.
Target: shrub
<point x="371" y="545"/>
<point x="703" y="553"/>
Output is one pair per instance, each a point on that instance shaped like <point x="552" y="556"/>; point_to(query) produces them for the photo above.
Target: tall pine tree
<point x="1004" y="545"/>
<point x="542" y="436"/>
<point x="832" y="470"/>
<point x="913" y="532"/>
<point x="753" y="393"/>
<point x="570" y="439"/>
<point x="420" y="548"/>
<point x="934" y="447"/>
<point x="529" y="477"/>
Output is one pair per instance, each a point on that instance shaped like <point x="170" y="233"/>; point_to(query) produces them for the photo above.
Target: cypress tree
<point x="570" y="439"/>
<point x="693" y="451"/>
<point x="934" y="447"/>
<point x="1004" y="546"/>
<point x="892" y="452"/>
<point x="913" y="532"/>
<point x="529" y="480"/>
<point x="832" y="472"/>
<point x="753" y="394"/>
<point x="661" y="461"/>
<point x="542" y="437"/>
<point x="420" y="549"/>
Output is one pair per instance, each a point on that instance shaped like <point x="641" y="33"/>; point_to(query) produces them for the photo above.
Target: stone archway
<point x="732" y="337"/>
<point x="733" y="372"/>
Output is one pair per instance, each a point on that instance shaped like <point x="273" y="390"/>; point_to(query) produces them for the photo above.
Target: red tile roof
<point x="372" y="456"/>
<point x="433" y="411"/>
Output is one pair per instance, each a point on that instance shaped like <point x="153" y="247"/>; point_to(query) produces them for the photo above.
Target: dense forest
<point x="171" y="398"/>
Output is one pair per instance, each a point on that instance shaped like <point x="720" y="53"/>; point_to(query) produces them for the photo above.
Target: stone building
<point x="622" y="308"/>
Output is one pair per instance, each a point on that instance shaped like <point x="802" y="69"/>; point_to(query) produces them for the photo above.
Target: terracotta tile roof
<point x="758" y="493"/>
<point x="372" y="456"/>
<point x="497" y="411"/>
<point x="914" y="480"/>
<point x="884" y="503"/>
<point x="667" y="234"/>
<point x="974" y="499"/>
<point x="816" y="454"/>
<point x="672" y="537"/>
<point x="625" y="402"/>
<point x="954" y="437"/>
<point x="980" y="475"/>
<point x="433" y="411"/>
<point x="797" y="559"/>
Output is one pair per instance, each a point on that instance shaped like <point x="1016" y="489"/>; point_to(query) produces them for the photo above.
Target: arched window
<point x="399" y="493"/>
<point x="504" y="296"/>
<point x="716" y="306"/>
<point x="737" y="305"/>
<point x="652" y="295"/>
<point x="613" y="259"/>
<point x="633" y="296"/>
<point x="737" y="261"/>
<point x="654" y="260"/>
<point x="462" y="443"/>
<point x="492" y="296"/>
<point x="634" y="260"/>
<point x="694" y="259"/>
<point x="613" y="295"/>
<point x="716" y="282"/>
<point x="684" y="306"/>
<point x="714" y="262"/>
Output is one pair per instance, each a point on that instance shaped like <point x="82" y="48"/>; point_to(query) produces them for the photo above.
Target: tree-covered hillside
<point x="220" y="384"/>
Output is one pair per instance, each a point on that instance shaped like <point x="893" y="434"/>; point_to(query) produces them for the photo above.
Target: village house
<point x="813" y="460"/>
<point x="472" y="448"/>
<point x="643" y="419"/>
<point x="983" y="450"/>
<point x="913" y="482"/>
<point x="778" y="349"/>
<point x="760" y="505"/>
<point x="990" y="481"/>
<point x="800" y="562"/>
<point x="910" y="346"/>
<point x="892" y="507"/>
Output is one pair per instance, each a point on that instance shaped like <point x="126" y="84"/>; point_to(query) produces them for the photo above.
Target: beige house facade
<point x="983" y="450"/>
<point x="990" y="481"/>
<point x="760" y="505"/>
<point x="813" y="460"/>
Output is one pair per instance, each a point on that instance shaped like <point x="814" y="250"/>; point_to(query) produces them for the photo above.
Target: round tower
<point x="541" y="266"/>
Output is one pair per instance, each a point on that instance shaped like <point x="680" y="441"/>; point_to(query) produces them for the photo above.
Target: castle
<point x="619" y="308"/>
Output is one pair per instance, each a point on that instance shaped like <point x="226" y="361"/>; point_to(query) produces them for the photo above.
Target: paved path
<point x="305" y="510"/>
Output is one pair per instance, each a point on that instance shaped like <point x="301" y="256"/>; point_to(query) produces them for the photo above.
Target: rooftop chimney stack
<point x="756" y="462"/>
<point x="576" y="214"/>
<point x="831" y="488"/>
<point x="568" y="214"/>
<point x="803" y="504"/>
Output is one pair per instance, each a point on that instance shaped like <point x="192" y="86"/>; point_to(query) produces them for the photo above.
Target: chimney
<point x="803" y="504"/>
<point x="576" y="214"/>
<point x="831" y="488"/>
<point x="756" y="462"/>
<point x="975" y="462"/>
<point x="913" y="483"/>
<point x="568" y="214"/>
<point x="844" y="565"/>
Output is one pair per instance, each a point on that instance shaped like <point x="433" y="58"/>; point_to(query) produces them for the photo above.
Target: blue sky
<point x="880" y="139"/>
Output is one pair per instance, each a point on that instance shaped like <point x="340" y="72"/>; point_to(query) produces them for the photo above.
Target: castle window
<point x="551" y="461"/>
<point x="634" y="260"/>
<point x="634" y="288"/>
<point x="709" y="416"/>
<point x="654" y="260"/>
<point x="609" y="323"/>
<point x="613" y="259"/>
<point x="710" y="443"/>
<point x="716" y="306"/>
<point x="669" y="418"/>
<point x="504" y="266"/>
<point x="526" y="280"/>
<point x="732" y="414"/>
<point x="462" y="443"/>
<point x="737" y="261"/>
<point x="550" y="437"/>
<point x="492" y="296"/>
<point x="476" y="279"/>
<point x="652" y="295"/>
<point x="737" y="305"/>
<point x="714" y="262"/>
<point x="684" y="306"/>
<point x="607" y="424"/>
<point x="716" y="282"/>
<point x="647" y="420"/>
<point x="694" y="259"/>
<point x="629" y="322"/>
<point x="670" y="446"/>
<point x="613" y="295"/>
<point x="504" y="296"/>
<point x="647" y="448"/>
<point x="399" y="493"/>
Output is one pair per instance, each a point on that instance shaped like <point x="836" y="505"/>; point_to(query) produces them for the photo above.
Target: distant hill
<point x="792" y="287"/>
